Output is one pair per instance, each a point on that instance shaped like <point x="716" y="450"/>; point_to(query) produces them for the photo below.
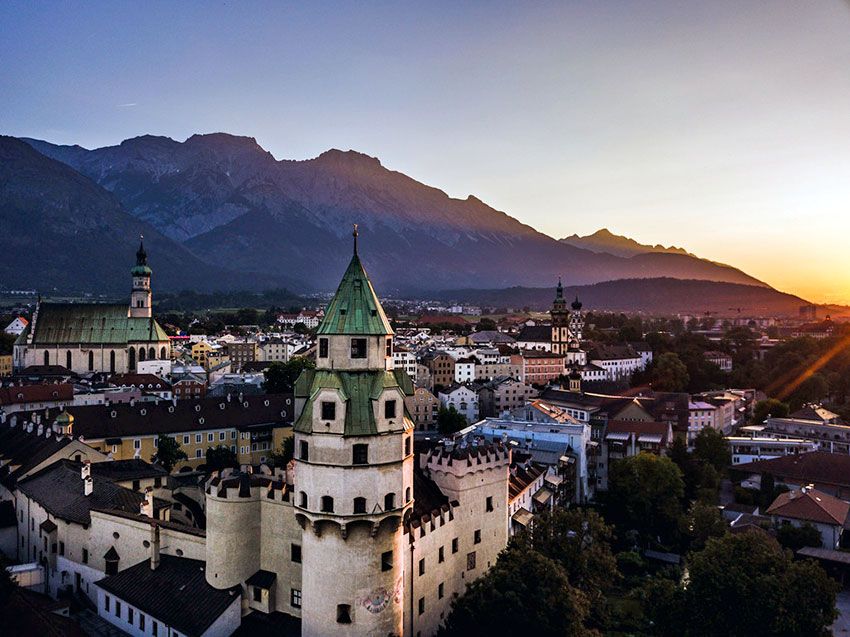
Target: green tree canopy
<point x="281" y="456"/>
<point x="450" y="420"/>
<point x="168" y="452"/>
<point x="524" y="591"/>
<point x="669" y="373"/>
<point x="769" y="407"/>
<point x="280" y="377"/>
<point x="796" y="537"/>
<point x="220" y="457"/>
<point x="711" y="447"/>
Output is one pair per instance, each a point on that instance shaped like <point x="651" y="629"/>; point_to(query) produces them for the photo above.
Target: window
<point x="407" y="444"/>
<point x="106" y="603"/>
<point x="111" y="567"/>
<point x="85" y="556"/>
<point x="389" y="346"/>
<point x="360" y="454"/>
<point x="210" y="437"/>
<point x="441" y="590"/>
<point x="91" y="361"/>
<point x="422" y="566"/>
<point x="198" y="439"/>
<point x="305" y="450"/>
<point x="137" y="444"/>
<point x="421" y="605"/>
<point x="328" y="410"/>
<point x="141" y="621"/>
<point x="117" y="608"/>
<point x="387" y="561"/>
<point x="61" y="548"/>
<point x="303" y="500"/>
<point x="198" y="453"/>
<point x="221" y="435"/>
<point x="295" y="598"/>
<point x="343" y="614"/>
<point x="470" y="561"/>
<point x="389" y="409"/>
<point x="327" y="504"/>
<point x="407" y="494"/>
<point x="154" y="629"/>
<point x="455" y="544"/>
<point x="489" y="506"/>
<point x="360" y="505"/>
<point x="258" y="594"/>
<point x="389" y="502"/>
<point x="476" y="538"/>
<point x="441" y="555"/>
<point x="295" y="553"/>
<point x="185" y="440"/>
<point x="129" y="615"/>
<point x="358" y="348"/>
<point x="323" y="348"/>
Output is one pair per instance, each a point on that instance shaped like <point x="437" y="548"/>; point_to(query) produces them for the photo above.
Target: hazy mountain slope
<point x="659" y="296"/>
<point x="231" y="202"/>
<point x="60" y="229"/>
<point x="606" y="241"/>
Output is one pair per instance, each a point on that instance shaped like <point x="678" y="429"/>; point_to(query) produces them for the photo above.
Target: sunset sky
<point x="722" y="127"/>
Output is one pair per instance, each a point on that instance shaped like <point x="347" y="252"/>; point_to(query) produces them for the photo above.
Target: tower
<point x="560" y="321"/>
<point x="353" y="482"/>
<point x="140" y="297"/>
<point x="576" y="320"/>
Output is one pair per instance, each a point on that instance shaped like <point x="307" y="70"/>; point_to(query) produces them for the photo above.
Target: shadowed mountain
<point x="606" y="241"/>
<point x="230" y="202"/>
<point x="61" y="230"/>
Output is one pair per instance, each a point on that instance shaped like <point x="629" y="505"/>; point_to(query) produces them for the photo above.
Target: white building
<point x="463" y="398"/>
<point x="700" y="415"/>
<point x="749" y="449"/>
<point x="406" y="360"/>
<point x="16" y="327"/>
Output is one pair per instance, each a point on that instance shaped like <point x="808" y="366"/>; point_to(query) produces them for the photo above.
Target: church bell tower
<point x="140" y="297"/>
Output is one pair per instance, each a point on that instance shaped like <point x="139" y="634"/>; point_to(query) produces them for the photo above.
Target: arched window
<point x="303" y="500"/>
<point x="360" y="505"/>
<point x="131" y="355"/>
<point x="407" y="494"/>
<point x="152" y="354"/>
<point x="141" y="354"/>
<point x="91" y="361"/>
<point x="162" y="355"/>
<point x="112" y="362"/>
<point x="68" y="359"/>
<point x="46" y="357"/>
<point x="327" y="504"/>
<point x="389" y="502"/>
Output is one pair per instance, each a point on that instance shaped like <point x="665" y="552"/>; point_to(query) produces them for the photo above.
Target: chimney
<point x="154" y="546"/>
<point x="88" y="485"/>
<point x="40" y="430"/>
<point x="85" y="471"/>
<point x="146" y="507"/>
<point x="29" y="428"/>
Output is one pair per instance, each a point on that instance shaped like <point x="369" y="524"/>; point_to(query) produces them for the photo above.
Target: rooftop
<point x="810" y="505"/>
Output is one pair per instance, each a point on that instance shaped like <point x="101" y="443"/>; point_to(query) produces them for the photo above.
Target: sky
<point x="722" y="127"/>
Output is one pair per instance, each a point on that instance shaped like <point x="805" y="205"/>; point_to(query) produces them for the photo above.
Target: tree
<point x="760" y="590"/>
<point x="711" y="447"/>
<point x="703" y="522"/>
<point x="485" y="325"/>
<point x="168" y="452"/>
<point x="522" y="587"/>
<point x="669" y="373"/>
<point x="580" y="541"/>
<point x="450" y="420"/>
<point x="645" y="493"/>
<point x="220" y="457"/>
<point x="280" y="377"/>
<point x="280" y="457"/>
<point x="769" y="407"/>
<point x="796" y="537"/>
<point x="8" y="585"/>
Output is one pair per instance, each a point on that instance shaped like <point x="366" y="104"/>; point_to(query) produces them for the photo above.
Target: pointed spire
<point x="354" y="234"/>
<point x="576" y="304"/>
<point x="141" y="255"/>
<point x="559" y="291"/>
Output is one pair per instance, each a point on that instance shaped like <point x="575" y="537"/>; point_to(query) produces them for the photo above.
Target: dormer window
<point x="323" y="348"/>
<point x="328" y="410"/>
<point x="389" y="409"/>
<point x="358" y="348"/>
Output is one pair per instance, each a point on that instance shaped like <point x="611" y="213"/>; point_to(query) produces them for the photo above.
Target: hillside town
<point x="169" y="480"/>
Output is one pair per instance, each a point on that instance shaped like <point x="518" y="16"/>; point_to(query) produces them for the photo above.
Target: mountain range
<point x="220" y="211"/>
<point x="606" y="241"/>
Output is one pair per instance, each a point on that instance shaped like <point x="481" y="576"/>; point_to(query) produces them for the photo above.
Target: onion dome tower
<point x="140" y="297"/>
<point x="576" y="320"/>
<point x="560" y="321"/>
<point x="353" y="482"/>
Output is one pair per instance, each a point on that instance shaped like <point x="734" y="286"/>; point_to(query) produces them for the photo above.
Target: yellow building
<point x="6" y="365"/>
<point x="200" y="353"/>
<point x="252" y="428"/>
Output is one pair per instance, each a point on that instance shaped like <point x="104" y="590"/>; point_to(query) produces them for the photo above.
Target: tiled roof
<point x="355" y="308"/>
<point x="142" y="381"/>
<point x="96" y="323"/>
<point x="814" y="412"/>
<point x="816" y="467"/>
<point x="59" y="489"/>
<point x="810" y="505"/>
<point x="521" y="477"/>
<point x="124" y="470"/>
<point x="21" y="394"/>
<point x="94" y="422"/>
<point x="25" y="451"/>
<point x="535" y="334"/>
<point x="176" y="593"/>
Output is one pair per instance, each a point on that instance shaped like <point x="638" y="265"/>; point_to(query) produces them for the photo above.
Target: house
<point x="502" y="395"/>
<point x="422" y="407"/>
<point x="828" y="472"/>
<point x="624" y="439"/>
<point x="464" y="398"/>
<point x="17" y="326"/>
<point x="147" y="383"/>
<point x="242" y="352"/>
<point x="526" y="480"/>
<point x="813" y="422"/>
<point x="6" y="366"/>
<point x="404" y="359"/>
<point x="807" y="505"/>
<point x="535" y="337"/>
<point x="752" y="448"/>
<point x="618" y="361"/>
<point x="700" y="415"/>
<point x="16" y="398"/>
<point x="721" y="359"/>
<point x="539" y="367"/>
<point x="442" y="368"/>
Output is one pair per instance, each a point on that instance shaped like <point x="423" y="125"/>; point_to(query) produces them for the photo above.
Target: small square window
<point x="358" y="348"/>
<point x="389" y="409"/>
<point x="295" y="598"/>
<point x="360" y="454"/>
<point x="470" y="561"/>
<point x="185" y="440"/>
<point x="343" y="614"/>
<point x="328" y="410"/>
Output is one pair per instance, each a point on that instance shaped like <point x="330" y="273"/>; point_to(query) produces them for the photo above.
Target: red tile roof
<point x="810" y="505"/>
<point x="35" y="393"/>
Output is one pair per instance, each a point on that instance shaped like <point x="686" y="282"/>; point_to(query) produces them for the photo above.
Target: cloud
<point x="127" y="105"/>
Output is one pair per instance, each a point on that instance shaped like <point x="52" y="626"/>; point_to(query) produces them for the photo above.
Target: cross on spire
<point x="354" y="234"/>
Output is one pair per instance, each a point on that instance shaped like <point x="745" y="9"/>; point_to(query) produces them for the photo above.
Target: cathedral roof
<point x="358" y="390"/>
<point x="90" y="323"/>
<point x="355" y="308"/>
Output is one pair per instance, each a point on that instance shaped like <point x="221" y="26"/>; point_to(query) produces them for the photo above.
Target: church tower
<point x="560" y="322"/>
<point x="576" y="321"/>
<point x="140" y="297"/>
<point x="353" y="482"/>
